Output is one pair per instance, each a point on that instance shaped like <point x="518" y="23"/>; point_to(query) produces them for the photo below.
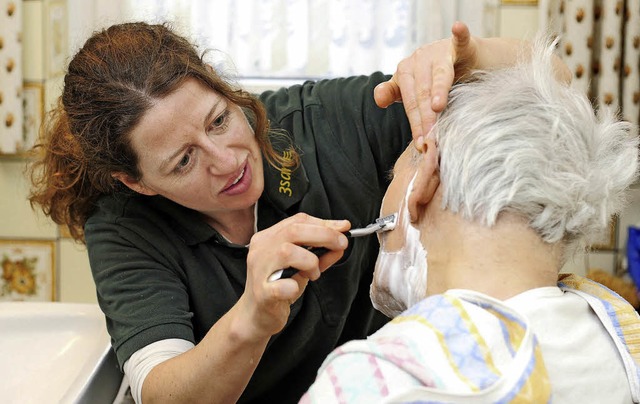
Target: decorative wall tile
<point x="33" y="41"/>
<point x="11" y="141"/>
<point x="56" y="34"/>
<point x="75" y="281"/>
<point x="33" y="111"/>
<point x="17" y="219"/>
<point x="28" y="270"/>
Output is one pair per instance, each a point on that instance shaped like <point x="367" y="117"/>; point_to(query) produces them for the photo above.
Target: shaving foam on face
<point x="400" y="277"/>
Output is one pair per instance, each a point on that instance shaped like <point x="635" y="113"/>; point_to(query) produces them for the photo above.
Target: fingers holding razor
<point x="303" y="245"/>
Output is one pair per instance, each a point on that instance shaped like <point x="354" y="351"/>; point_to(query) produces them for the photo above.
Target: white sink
<point x="55" y="353"/>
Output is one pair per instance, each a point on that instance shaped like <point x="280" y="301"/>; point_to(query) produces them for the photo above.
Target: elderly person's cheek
<point x="387" y="286"/>
<point x="400" y="275"/>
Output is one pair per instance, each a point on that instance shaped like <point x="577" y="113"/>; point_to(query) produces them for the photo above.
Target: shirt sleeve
<point x="142" y="361"/>
<point x="139" y="288"/>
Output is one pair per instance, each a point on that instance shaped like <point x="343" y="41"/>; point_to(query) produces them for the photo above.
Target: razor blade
<point x="381" y="224"/>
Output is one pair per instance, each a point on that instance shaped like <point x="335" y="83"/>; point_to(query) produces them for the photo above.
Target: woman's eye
<point x="183" y="163"/>
<point x="220" y="122"/>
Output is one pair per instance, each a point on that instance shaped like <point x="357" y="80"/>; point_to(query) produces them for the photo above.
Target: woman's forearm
<point x="216" y="370"/>
<point x="494" y="53"/>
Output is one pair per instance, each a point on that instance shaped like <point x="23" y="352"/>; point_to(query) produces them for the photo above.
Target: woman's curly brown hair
<point x="110" y="84"/>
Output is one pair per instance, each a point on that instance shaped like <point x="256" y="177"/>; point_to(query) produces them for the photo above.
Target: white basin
<point x="55" y="353"/>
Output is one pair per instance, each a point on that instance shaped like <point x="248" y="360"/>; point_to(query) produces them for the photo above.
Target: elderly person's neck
<point x="500" y="261"/>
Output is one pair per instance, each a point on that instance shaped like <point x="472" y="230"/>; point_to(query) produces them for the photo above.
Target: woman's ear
<point x="132" y="184"/>
<point x="426" y="182"/>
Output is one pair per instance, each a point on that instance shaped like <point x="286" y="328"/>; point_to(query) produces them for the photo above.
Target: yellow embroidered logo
<point x="285" y="176"/>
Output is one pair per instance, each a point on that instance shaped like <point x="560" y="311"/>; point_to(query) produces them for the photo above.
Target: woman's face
<point x="197" y="149"/>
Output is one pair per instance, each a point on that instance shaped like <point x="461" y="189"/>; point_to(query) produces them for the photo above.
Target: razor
<point x="380" y="225"/>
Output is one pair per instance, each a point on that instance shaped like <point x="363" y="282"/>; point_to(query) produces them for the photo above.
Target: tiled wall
<point x="44" y="52"/>
<point x="73" y="278"/>
<point x="11" y="76"/>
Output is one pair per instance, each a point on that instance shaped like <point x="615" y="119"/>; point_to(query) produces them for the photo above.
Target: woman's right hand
<point x="266" y="305"/>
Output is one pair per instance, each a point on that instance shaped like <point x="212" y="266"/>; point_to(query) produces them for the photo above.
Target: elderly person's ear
<point x="426" y="181"/>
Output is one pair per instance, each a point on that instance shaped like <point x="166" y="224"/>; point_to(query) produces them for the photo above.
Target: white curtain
<point x="302" y="38"/>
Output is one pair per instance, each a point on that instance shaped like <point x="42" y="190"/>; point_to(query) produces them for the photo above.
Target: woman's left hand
<point x="422" y="81"/>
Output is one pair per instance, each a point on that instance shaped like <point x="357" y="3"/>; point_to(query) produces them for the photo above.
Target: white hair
<point x="517" y="140"/>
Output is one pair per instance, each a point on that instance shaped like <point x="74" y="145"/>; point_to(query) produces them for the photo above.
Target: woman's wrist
<point x="247" y="326"/>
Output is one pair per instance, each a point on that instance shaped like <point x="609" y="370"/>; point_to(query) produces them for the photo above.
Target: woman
<point x="189" y="194"/>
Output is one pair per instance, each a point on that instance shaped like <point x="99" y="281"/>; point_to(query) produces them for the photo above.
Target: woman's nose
<point x="220" y="159"/>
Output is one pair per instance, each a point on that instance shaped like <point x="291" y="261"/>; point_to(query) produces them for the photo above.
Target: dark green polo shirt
<point x="162" y="272"/>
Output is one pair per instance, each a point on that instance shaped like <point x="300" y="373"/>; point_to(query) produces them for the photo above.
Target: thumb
<point x="460" y="36"/>
<point x="386" y="93"/>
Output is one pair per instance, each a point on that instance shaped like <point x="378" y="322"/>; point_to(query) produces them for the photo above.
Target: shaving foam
<point x="400" y="277"/>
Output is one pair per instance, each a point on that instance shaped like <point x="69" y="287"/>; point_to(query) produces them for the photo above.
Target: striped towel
<point x="462" y="347"/>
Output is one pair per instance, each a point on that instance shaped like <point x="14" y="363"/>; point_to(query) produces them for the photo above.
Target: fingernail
<point x="419" y="142"/>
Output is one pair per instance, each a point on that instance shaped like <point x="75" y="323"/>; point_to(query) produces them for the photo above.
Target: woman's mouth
<point x="239" y="176"/>
<point x="240" y="182"/>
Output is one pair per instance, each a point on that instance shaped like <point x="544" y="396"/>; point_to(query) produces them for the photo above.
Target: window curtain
<point x="324" y="38"/>
<point x="600" y="42"/>
<point x="303" y="38"/>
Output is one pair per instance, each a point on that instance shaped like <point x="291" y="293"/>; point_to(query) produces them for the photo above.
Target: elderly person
<point x="524" y="173"/>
